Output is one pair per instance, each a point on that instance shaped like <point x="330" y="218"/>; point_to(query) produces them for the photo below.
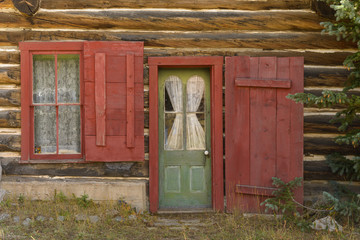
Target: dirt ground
<point x="80" y="218"/>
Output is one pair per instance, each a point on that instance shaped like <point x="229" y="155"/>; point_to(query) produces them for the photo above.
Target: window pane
<point x="44" y="79"/>
<point x="195" y="121"/>
<point x="173" y="121"/>
<point x="69" y="130"/>
<point x="68" y="66"/>
<point x="45" y="129"/>
<point x="173" y="131"/>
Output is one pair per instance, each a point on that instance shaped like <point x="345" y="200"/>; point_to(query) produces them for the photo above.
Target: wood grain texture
<point x="9" y="57"/>
<point x="270" y="130"/>
<point x="115" y="75"/>
<point x="325" y="145"/>
<point x="11" y="166"/>
<point x="311" y="57"/>
<point x="318" y="76"/>
<point x="9" y="97"/>
<point x="10" y="75"/>
<point x="178" y="20"/>
<point x="100" y="98"/>
<point x="321" y="124"/>
<point x="319" y="170"/>
<point x="10" y="118"/>
<point x="130" y="101"/>
<point x="191" y="4"/>
<point x="226" y="39"/>
<point x="10" y="142"/>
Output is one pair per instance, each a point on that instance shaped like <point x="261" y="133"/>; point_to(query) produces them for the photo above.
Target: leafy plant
<point x="343" y="166"/>
<point x="282" y="202"/>
<point x="346" y="26"/>
<point x="59" y="197"/>
<point x="347" y="208"/>
<point x="84" y="201"/>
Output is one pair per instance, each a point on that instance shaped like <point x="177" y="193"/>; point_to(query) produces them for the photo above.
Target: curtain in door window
<point x="174" y="138"/>
<point x="195" y="134"/>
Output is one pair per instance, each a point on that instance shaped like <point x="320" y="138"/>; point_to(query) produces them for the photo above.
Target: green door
<point x="184" y="138"/>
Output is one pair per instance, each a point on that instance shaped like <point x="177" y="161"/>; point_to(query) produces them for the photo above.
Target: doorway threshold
<point x="184" y="210"/>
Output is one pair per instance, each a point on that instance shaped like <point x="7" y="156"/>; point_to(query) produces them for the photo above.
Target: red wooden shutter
<point x="263" y="129"/>
<point x="114" y="103"/>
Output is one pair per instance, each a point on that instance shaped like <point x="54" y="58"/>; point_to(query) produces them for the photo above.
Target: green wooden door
<point x="184" y="138"/>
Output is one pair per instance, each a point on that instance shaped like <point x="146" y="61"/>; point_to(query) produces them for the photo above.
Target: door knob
<point x="206" y="153"/>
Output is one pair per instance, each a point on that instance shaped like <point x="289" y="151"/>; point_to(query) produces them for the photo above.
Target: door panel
<point x="264" y="137"/>
<point x="184" y="136"/>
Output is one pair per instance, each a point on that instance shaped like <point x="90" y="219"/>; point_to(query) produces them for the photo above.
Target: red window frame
<point x="28" y="49"/>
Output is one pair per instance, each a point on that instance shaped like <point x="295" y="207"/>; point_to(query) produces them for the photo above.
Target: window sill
<point x="54" y="161"/>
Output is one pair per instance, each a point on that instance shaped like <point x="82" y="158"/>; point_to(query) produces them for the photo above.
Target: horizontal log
<point x="313" y="190"/>
<point x="10" y="118"/>
<point x="10" y="97"/>
<point x="319" y="170"/>
<point x="11" y="166"/>
<point x="325" y="58"/>
<point x="178" y="20"/>
<point x="317" y="76"/>
<point x="225" y="39"/>
<point x="191" y="4"/>
<point x="10" y="75"/>
<point x="321" y="124"/>
<point x="324" y="145"/>
<point x="10" y="142"/>
<point x="9" y="55"/>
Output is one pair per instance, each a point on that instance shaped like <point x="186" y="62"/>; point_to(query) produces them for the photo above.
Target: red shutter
<point x="114" y="103"/>
<point x="263" y="129"/>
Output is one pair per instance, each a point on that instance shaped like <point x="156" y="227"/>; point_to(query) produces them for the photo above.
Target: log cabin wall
<point x="178" y="28"/>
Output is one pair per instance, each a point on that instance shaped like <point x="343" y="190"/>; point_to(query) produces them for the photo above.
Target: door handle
<point x="206" y="154"/>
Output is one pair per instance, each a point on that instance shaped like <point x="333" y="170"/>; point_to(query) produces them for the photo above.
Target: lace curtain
<point x="174" y="140"/>
<point x="44" y="93"/>
<point x="195" y="137"/>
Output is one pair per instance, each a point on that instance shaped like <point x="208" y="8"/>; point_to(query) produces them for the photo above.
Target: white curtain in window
<point x="195" y="137"/>
<point x="173" y="86"/>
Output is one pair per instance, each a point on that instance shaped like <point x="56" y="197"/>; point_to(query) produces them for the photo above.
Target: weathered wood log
<point x="11" y="166"/>
<point x="320" y="124"/>
<point x="191" y="4"/>
<point x="327" y="58"/>
<point x="9" y="75"/>
<point x="10" y="142"/>
<point x="225" y="39"/>
<point x="313" y="190"/>
<point x="325" y="145"/>
<point x="317" y="76"/>
<point x="10" y="97"/>
<point x="9" y="55"/>
<point x="178" y="20"/>
<point x="10" y="118"/>
<point x="320" y="170"/>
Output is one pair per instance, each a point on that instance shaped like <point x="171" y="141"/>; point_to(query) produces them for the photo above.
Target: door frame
<point x="215" y="65"/>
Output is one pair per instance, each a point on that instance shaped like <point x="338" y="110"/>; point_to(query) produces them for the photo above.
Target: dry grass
<point x="210" y="225"/>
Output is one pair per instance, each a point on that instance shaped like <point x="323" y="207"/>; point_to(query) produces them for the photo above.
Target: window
<point x="82" y="101"/>
<point x="52" y="101"/>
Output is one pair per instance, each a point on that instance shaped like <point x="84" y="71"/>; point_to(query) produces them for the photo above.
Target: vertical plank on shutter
<point x="283" y="126"/>
<point x="100" y="98"/>
<point x="262" y="130"/>
<point x="237" y="124"/>
<point x="130" y="101"/>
